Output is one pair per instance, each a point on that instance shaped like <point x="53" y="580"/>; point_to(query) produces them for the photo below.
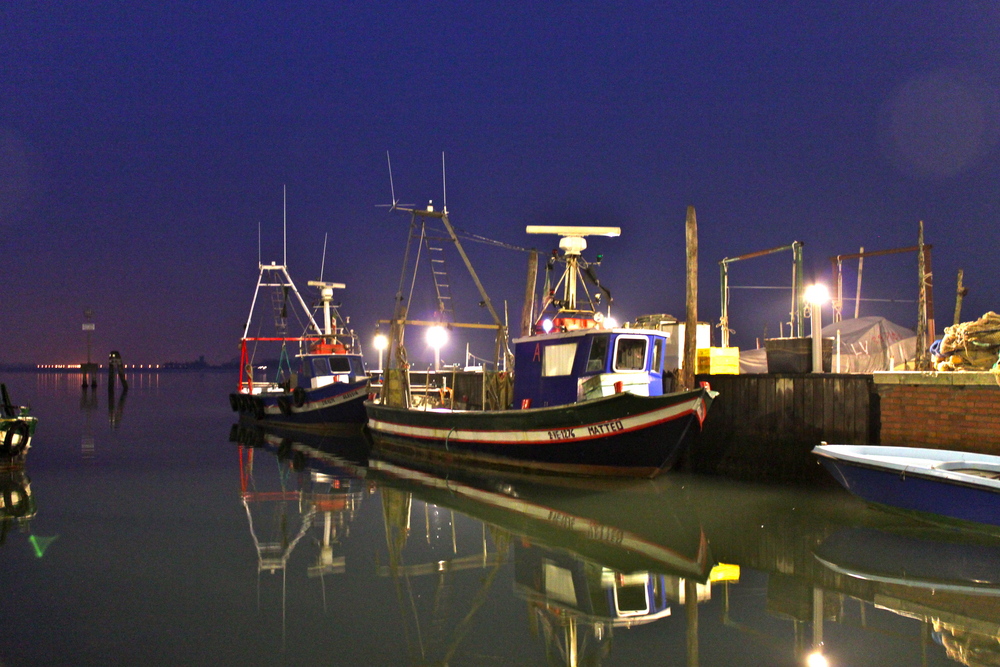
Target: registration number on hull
<point x="595" y="429"/>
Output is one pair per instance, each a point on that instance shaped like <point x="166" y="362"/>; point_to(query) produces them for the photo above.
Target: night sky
<point x="142" y="145"/>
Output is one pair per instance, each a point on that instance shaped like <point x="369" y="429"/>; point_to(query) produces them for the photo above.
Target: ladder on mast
<point x="442" y="283"/>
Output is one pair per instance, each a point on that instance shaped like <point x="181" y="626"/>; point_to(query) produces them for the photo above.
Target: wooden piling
<point x="691" y="320"/>
<point x="528" y="313"/>
<point x="960" y="293"/>
<point x="922" y="361"/>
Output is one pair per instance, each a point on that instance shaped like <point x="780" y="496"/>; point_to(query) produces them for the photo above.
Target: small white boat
<point x="960" y="485"/>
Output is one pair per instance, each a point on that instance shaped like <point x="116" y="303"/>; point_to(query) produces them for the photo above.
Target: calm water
<point x="156" y="540"/>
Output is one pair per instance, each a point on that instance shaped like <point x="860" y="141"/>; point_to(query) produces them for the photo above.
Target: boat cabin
<point x="320" y="369"/>
<point x="567" y="367"/>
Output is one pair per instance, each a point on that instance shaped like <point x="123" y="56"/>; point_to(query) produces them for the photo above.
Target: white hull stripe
<point x="546" y="436"/>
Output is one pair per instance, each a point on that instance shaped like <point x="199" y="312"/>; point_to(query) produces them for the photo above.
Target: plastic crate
<point x="719" y="360"/>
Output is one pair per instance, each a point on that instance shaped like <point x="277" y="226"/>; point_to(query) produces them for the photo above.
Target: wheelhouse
<point x="556" y="369"/>
<point x="319" y="370"/>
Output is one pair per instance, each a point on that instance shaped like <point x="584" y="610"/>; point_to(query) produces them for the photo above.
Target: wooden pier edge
<point x="764" y="426"/>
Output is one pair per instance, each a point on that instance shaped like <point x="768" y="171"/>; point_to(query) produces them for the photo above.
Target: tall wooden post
<point x="857" y="296"/>
<point x="528" y="313"/>
<point x="960" y="293"/>
<point x="691" y="321"/>
<point x="922" y="358"/>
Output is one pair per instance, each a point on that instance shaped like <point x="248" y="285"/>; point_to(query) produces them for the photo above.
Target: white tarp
<point x="867" y="344"/>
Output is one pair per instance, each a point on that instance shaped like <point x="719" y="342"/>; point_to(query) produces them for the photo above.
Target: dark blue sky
<point x="141" y="144"/>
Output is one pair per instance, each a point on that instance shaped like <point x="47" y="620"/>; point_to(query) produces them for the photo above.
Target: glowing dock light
<point x="437" y="336"/>
<point x="816" y="295"/>
<point x="381" y="343"/>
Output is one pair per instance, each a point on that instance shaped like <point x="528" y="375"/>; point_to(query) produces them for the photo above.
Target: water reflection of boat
<point x="948" y="579"/>
<point x="17" y="427"/>
<point x="586" y="560"/>
<point x="17" y="505"/>
<point x="321" y="498"/>
<point x="628" y="526"/>
<point x="934" y="559"/>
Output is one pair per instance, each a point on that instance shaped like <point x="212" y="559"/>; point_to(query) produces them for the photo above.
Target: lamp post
<point x="437" y="336"/>
<point x="816" y="295"/>
<point x="381" y="343"/>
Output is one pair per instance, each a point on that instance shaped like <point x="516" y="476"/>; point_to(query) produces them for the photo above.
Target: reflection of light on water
<point x="87" y="446"/>
<point x="817" y="659"/>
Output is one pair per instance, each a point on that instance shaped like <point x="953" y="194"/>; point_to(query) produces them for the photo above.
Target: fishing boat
<point x="17" y="427"/>
<point x="587" y="397"/>
<point x="937" y="483"/>
<point x="322" y="382"/>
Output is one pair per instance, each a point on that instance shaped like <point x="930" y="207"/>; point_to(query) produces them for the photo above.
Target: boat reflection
<point x="290" y="502"/>
<point x="947" y="579"/>
<point x="17" y="504"/>
<point x="593" y="561"/>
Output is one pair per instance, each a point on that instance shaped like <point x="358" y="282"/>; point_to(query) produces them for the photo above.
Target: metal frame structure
<point x="798" y="302"/>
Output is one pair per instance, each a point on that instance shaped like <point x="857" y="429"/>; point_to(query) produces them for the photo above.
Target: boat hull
<point x="929" y="488"/>
<point x="623" y="434"/>
<point x="338" y="403"/>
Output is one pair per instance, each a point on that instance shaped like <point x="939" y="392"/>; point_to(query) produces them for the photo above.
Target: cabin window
<point x="558" y="359"/>
<point x="630" y="354"/>
<point x="320" y="367"/>
<point x="598" y="353"/>
<point x="340" y="365"/>
<point x="657" y="356"/>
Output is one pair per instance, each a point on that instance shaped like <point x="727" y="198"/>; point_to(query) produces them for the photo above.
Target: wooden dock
<point x="765" y="426"/>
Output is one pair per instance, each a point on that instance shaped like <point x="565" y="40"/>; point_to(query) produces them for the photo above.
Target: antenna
<point x="392" y="189"/>
<point x="322" y="263"/>
<point x="259" y="258"/>
<point x="572" y="243"/>
<point x="444" y="184"/>
<point x="284" y="225"/>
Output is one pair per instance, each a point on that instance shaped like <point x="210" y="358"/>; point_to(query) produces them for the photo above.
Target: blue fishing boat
<point x="588" y="397"/>
<point x="934" y="482"/>
<point x="322" y="382"/>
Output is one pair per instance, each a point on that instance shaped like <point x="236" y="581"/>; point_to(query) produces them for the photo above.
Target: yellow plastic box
<point x="719" y="360"/>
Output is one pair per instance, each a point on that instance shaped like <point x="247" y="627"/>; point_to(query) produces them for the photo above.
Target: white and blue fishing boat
<point x="587" y="397"/>
<point x="321" y="382"/>
<point x="933" y="482"/>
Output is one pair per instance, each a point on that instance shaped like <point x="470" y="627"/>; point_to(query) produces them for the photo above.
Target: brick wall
<point x="940" y="416"/>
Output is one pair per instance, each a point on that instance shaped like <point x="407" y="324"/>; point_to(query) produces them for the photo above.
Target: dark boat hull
<point x="924" y="492"/>
<point x="338" y="403"/>
<point x="623" y="434"/>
